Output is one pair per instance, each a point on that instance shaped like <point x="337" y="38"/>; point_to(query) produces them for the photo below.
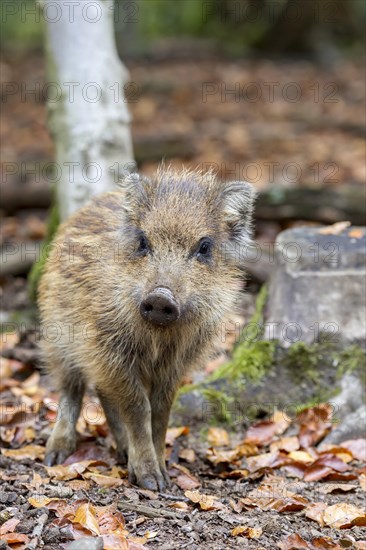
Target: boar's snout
<point x="160" y="307"/>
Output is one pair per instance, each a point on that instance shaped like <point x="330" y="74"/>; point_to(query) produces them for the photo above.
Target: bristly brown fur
<point x="94" y="282"/>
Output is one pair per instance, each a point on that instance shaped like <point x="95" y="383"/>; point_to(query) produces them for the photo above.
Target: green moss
<point x="251" y="358"/>
<point x="351" y="359"/>
<point x="304" y="361"/>
<point x="219" y="411"/>
<point x="37" y="268"/>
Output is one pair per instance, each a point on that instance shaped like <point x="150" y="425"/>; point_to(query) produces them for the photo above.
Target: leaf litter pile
<point x="273" y="485"/>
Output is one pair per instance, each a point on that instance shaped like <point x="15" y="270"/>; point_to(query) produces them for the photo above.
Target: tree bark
<point x="89" y="119"/>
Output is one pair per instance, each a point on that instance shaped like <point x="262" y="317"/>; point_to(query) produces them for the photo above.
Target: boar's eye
<point x="143" y="247"/>
<point x="204" y="250"/>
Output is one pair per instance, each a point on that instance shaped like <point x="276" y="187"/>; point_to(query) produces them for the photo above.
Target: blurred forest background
<point x="270" y="91"/>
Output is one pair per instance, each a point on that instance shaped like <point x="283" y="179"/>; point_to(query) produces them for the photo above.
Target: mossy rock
<point x="263" y="376"/>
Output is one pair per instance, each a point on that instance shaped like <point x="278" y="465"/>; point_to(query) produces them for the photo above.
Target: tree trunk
<point x="88" y="114"/>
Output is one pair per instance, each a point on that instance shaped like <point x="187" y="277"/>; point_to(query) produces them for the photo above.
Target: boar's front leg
<point x="115" y="423"/>
<point x="62" y="441"/>
<point x="161" y="399"/>
<point x="132" y="409"/>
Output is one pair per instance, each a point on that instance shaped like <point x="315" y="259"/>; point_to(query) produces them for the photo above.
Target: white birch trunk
<point x="89" y="120"/>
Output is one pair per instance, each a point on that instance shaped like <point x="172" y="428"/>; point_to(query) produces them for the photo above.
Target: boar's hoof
<point x="55" y="457"/>
<point x="58" y="449"/>
<point x="160" y="307"/>
<point x="154" y="481"/>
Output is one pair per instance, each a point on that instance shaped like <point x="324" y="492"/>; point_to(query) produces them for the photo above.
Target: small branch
<point x="37" y="532"/>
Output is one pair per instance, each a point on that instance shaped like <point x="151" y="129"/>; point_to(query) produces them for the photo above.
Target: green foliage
<point x="22" y="25"/>
<point x="251" y="359"/>
<point x="37" y="268"/>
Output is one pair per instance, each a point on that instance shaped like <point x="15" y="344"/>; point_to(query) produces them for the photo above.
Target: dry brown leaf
<point x="235" y="474"/>
<point x="273" y="494"/>
<point x="301" y="456"/>
<point x="293" y="542"/>
<point x="189" y="481"/>
<point x="341" y="452"/>
<point x="248" y="532"/>
<point x="323" y="466"/>
<point x="288" y="444"/>
<point x="263" y="432"/>
<point x="188" y="455"/>
<point x="325" y="543"/>
<point x="41" y="500"/>
<point x="104" y="480"/>
<point x="173" y="433"/>
<point x="315" y="423"/>
<point x="356" y="233"/>
<point x="362" y="481"/>
<point x="63" y="472"/>
<point x="343" y="515"/>
<point x="206" y="502"/>
<point x="9" y="526"/>
<point x="15" y="538"/>
<point x="218" y="457"/>
<point x="335" y="229"/>
<point x="179" y="505"/>
<point x="86" y="516"/>
<point x="315" y="511"/>
<point x="218" y="437"/>
<point x="357" y="447"/>
<point x="335" y="487"/>
<point x="265" y="460"/>
<point x="33" y="452"/>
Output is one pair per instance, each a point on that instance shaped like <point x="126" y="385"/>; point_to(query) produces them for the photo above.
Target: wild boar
<point x="144" y="276"/>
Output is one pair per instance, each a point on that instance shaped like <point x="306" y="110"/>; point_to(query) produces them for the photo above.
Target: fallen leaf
<point x="335" y="229"/>
<point x="15" y="538"/>
<point x="218" y="437"/>
<point x="188" y="455"/>
<point x="362" y="481"/>
<point x="273" y="494"/>
<point x="206" y="502"/>
<point x="187" y="481"/>
<point x="325" y="543"/>
<point x="9" y="526"/>
<point x="63" y="472"/>
<point x="343" y="515"/>
<point x="356" y="233"/>
<point x="336" y="487"/>
<point x="323" y="466"/>
<point x="357" y="447"/>
<point x="293" y="542"/>
<point x="219" y="456"/>
<point x="85" y="515"/>
<point x="173" y="433"/>
<point x="301" y="456"/>
<point x="179" y="505"/>
<point x="40" y="501"/>
<point x="103" y="480"/>
<point x="261" y="433"/>
<point x="315" y="511"/>
<point x="33" y="452"/>
<point x="264" y="460"/>
<point x="288" y="444"/>
<point x="315" y="423"/>
<point x="245" y="531"/>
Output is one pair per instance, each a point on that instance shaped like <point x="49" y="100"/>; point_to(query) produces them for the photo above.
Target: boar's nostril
<point x="160" y="307"/>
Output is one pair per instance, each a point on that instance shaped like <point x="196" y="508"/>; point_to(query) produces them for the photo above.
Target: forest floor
<point x="266" y="486"/>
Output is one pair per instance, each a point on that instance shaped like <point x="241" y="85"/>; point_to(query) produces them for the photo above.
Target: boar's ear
<point x="134" y="189"/>
<point x="238" y="202"/>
